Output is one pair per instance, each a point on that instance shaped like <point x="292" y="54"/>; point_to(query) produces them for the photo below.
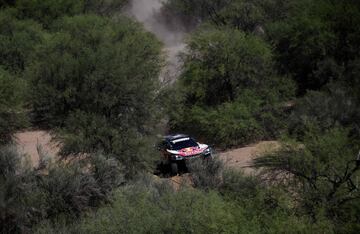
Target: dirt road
<point x="236" y="158"/>
<point x="28" y="142"/>
<point x="242" y="157"/>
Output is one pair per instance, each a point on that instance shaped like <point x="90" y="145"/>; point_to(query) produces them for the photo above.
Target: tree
<point x="6" y="3"/>
<point x="47" y="11"/>
<point x="301" y="45"/>
<point x="229" y="93"/>
<point x="30" y="193"/>
<point x="317" y="42"/>
<point x="17" y="192"/>
<point x="322" y="170"/>
<point x="104" y="7"/>
<point x="71" y="188"/>
<point x="12" y="116"/>
<point x="245" y="15"/>
<point x="18" y="39"/>
<point x="324" y="110"/>
<point x="221" y="64"/>
<point x="199" y="9"/>
<point x="96" y="80"/>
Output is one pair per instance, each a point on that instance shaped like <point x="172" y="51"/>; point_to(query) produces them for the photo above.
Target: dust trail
<point x="150" y="14"/>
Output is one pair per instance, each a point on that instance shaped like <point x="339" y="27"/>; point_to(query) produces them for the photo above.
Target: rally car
<point x="177" y="149"/>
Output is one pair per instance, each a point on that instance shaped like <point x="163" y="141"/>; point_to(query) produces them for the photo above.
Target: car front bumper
<point x="184" y="158"/>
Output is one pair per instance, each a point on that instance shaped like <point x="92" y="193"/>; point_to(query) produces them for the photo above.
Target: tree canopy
<point x="229" y="91"/>
<point x="253" y="70"/>
<point x="100" y="85"/>
<point x="12" y="117"/>
<point x="18" y="41"/>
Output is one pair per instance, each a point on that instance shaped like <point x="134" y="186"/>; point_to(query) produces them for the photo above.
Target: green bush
<point x="71" y="188"/>
<point x="321" y="111"/>
<point x="138" y="210"/>
<point x="48" y="11"/>
<point x="7" y="3"/>
<point x="104" y="7"/>
<point x="12" y="116"/>
<point x="99" y="88"/>
<point x="228" y="125"/>
<point x="310" y="43"/>
<point x="100" y="62"/>
<point x="315" y="42"/>
<point x="108" y="174"/>
<point x="29" y="195"/>
<point x="237" y="186"/>
<point x="322" y="170"/>
<point x="18" y="40"/>
<point x="245" y="15"/>
<point x="266" y="209"/>
<point x="207" y="174"/>
<point x="228" y="92"/>
<point x="221" y="64"/>
<point x="148" y="206"/>
<point x="20" y="200"/>
<point x="68" y="190"/>
<point x="240" y="122"/>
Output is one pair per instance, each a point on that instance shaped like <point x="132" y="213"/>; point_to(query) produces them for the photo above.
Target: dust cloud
<point x="166" y="28"/>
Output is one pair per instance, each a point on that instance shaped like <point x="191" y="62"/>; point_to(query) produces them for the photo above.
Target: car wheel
<point x="210" y="157"/>
<point x="174" y="168"/>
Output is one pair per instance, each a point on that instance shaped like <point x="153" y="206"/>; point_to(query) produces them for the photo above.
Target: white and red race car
<point x="178" y="148"/>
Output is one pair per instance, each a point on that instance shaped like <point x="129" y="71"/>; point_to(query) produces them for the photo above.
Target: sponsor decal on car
<point x="190" y="151"/>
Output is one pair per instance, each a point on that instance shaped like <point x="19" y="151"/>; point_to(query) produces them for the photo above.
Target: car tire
<point x="174" y="168"/>
<point x="210" y="157"/>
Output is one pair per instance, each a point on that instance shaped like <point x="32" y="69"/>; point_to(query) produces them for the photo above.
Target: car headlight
<point x="207" y="151"/>
<point x="176" y="157"/>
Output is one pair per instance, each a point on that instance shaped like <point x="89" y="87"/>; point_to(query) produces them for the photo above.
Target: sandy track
<point x="28" y="141"/>
<point x="242" y="157"/>
<point x="239" y="158"/>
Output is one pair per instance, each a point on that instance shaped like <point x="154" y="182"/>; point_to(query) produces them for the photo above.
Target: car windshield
<point x="183" y="143"/>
